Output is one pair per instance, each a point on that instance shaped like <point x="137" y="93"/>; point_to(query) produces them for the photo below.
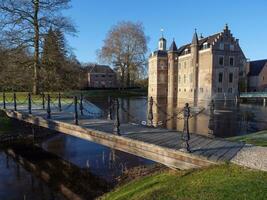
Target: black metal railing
<point x="79" y="107"/>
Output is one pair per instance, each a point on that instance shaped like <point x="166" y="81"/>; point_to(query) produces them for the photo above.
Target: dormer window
<point x="221" y="46"/>
<point x="186" y="51"/>
<point x="205" y="45"/>
<point x="232" y="47"/>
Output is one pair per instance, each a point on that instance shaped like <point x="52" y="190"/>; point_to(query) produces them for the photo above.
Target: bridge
<point x="77" y="117"/>
<point x="254" y="96"/>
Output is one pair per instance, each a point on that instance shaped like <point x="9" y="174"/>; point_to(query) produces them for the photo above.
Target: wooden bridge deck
<point x="160" y="145"/>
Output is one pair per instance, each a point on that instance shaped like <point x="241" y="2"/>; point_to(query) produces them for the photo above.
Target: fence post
<point x="75" y="110"/>
<point x="116" y="128"/>
<point x="43" y="100"/>
<point x="4" y="100"/>
<point x="30" y="103"/>
<point x="15" y="101"/>
<point x="59" y="102"/>
<point x="185" y="134"/>
<point x="150" y="112"/>
<point x="109" y="108"/>
<point x="211" y="120"/>
<point x="48" y="107"/>
<point x="81" y="104"/>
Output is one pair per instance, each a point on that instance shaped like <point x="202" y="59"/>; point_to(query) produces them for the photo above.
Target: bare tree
<point x="125" y="48"/>
<point x="23" y="23"/>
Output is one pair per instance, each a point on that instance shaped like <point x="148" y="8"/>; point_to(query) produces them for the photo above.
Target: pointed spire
<point x="173" y="46"/>
<point x="195" y="38"/>
<point x="226" y="27"/>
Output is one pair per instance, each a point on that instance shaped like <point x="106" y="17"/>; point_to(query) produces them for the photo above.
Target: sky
<point x="247" y="19"/>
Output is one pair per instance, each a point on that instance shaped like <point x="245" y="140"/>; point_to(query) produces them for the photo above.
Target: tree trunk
<point x="36" y="48"/>
<point x="122" y="78"/>
<point x="128" y="77"/>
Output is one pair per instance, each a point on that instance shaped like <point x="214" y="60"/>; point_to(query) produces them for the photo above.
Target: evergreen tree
<point x="59" y="72"/>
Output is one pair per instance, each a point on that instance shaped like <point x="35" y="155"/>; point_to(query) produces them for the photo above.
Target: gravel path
<point x="252" y="156"/>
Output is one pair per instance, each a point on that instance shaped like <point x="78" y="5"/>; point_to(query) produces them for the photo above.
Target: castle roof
<point x="256" y="66"/>
<point x="195" y="38"/>
<point x="95" y="68"/>
<point x="185" y="49"/>
<point x="210" y="39"/>
<point x="173" y="46"/>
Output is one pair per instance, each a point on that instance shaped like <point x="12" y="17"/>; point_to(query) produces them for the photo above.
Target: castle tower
<point x="172" y="83"/>
<point x="162" y="44"/>
<point x="195" y="65"/>
<point x="158" y="80"/>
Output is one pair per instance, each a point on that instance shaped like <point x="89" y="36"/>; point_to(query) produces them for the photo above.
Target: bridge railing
<point x="253" y="95"/>
<point x="80" y="107"/>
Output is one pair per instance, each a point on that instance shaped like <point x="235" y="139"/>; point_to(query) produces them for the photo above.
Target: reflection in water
<point x="80" y="166"/>
<point x="17" y="183"/>
<point x="59" y="174"/>
<point x="102" y="161"/>
<point x="227" y="119"/>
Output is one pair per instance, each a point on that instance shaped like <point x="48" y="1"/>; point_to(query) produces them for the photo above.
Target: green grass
<point x="67" y="97"/>
<point x="112" y="93"/>
<point x="215" y="183"/>
<point x="22" y="97"/>
<point x="258" y="138"/>
<point x="5" y="123"/>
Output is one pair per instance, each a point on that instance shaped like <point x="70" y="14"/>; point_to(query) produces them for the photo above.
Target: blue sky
<point x="247" y="20"/>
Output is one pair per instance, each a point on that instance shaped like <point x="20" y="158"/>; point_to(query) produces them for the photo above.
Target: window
<point x="230" y="77"/>
<point x="219" y="90"/>
<point x="184" y="90"/>
<point x="230" y="90"/>
<point x="103" y="76"/>
<point x="205" y="45"/>
<point x="184" y="64"/>
<point x="220" y="77"/>
<point x="161" y="78"/>
<point x="191" y="78"/>
<point x="161" y="66"/>
<point x="231" y="61"/>
<point x="179" y="89"/>
<point x="110" y="76"/>
<point x="201" y="90"/>
<point x="96" y="76"/>
<point x="179" y="79"/>
<point x="232" y="47"/>
<point x="186" y="51"/>
<point x="184" y="78"/>
<point x="221" y="46"/>
<point x="221" y="60"/>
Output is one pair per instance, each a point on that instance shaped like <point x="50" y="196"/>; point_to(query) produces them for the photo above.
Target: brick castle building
<point x="208" y="68"/>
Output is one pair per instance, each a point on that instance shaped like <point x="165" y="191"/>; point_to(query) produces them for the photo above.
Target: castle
<point x="208" y="68"/>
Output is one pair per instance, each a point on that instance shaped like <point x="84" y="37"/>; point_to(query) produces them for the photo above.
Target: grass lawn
<point x="258" y="138"/>
<point x="112" y="93"/>
<point x="214" y="183"/>
<point x="22" y="97"/>
<point x="67" y="97"/>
